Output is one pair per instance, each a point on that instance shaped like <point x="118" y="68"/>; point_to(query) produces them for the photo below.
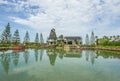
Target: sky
<point x="68" y="17"/>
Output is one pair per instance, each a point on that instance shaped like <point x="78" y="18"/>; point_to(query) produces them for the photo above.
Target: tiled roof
<point x="52" y="34"/>
<point x="73" y="37"/>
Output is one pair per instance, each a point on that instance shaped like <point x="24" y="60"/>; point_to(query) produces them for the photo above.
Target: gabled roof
<point x="73" y="37"/>
<point x="52" y="34"/>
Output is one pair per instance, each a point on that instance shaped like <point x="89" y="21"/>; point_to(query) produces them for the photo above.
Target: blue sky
<point x="68" y="17"/>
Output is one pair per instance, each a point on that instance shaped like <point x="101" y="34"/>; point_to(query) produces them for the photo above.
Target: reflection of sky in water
<point x="59" y="65"/>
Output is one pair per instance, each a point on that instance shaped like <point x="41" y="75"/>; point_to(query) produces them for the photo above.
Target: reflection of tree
<point x="15" y="58"/>
<point x="60" y="53"/>
<point x="52" y="56"/>
<point x="26" y="56"/>
<point x="41" y="54"/>
<point x="36" y="54"/>
<point x="87" y="55"/>
<point x="90" y="55"/>
<point x="109" y="54"/>
<point x="5" y="61"/>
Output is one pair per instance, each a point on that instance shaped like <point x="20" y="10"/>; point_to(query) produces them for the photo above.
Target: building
<point x="52" y="37"/>
<point x="73" y="40"/>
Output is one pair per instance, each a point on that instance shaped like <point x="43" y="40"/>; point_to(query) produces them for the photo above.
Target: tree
<point x="114" y="37"/>
<point x="61" y="39"/>
<point x="16" y="38"/>
<point x="103" y="41"/>
<point x="96" y="39"/>
<point x="118" y="37"/>
<point x="6" y="35"/>
<point x="37" y="38"/>
<point x="110" y="38"/>
<point x="92" y="40"/>
<point x="26" y="38"/>
<point x="41" y="39"/>
<point x="87" y="40"/>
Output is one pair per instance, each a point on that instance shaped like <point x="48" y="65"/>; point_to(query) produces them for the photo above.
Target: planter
<point x="18" y="48"/>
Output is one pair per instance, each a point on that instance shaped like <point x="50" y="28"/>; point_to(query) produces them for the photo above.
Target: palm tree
<point x="114" y="37"/>
<point x="110" y="37"/>
<point x="96" y="38"/>
<point x="118" y="36"/>
<point x="61" y="38"/>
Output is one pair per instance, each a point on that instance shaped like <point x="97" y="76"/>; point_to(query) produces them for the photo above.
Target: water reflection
<point x="36" y="54"/>
<point x="26" y="56"/>
<point x="73" y="54"/>
<point x="90" y="55"/>
<point x="109" y="54"/>
<point x="5" y="61"/>
<point x="52" y="54"/>
<point x="41" y="54"/>
<point x="15" y="56"/>
<point x="9" y="58"/>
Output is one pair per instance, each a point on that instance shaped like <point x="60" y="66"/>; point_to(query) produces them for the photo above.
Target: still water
<point x="59" y="65"/>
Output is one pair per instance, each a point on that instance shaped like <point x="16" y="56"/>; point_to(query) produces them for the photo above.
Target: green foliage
<point x="92" y="40"/>
<point x="26" y="38"/>
<point x="117" y="43"/>
<point x="37" y="38"/>
<point x="87" y="40"/>
<point x="106" y="41"/>
<point x="41" y="39"/>
<point x="60" y="41"/>
<point x="6" y="36"/>
<point x="16" y="38"/>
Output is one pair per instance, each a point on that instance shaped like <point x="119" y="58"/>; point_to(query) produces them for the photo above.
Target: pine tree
<point x="87" y="40"/>
<point x="92" y="40"/>
<point x="41" y="39"/>
<point x="16" y="38"/>
<point x="26" y="38"/>
<point x="6" y="35"/>
<point x="37" y="38"/>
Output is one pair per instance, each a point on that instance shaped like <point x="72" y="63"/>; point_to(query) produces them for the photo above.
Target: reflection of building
<point x="73" y="40"/>
<point x="73" y="54"/>
<point x="52" y="56"/>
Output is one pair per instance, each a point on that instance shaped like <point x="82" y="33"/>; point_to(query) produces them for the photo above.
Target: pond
<point x="59" y="65"/>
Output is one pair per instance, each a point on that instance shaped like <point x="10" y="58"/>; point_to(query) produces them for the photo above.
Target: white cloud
<point x="3" y="2"/>
<point x="80" y="16"/>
